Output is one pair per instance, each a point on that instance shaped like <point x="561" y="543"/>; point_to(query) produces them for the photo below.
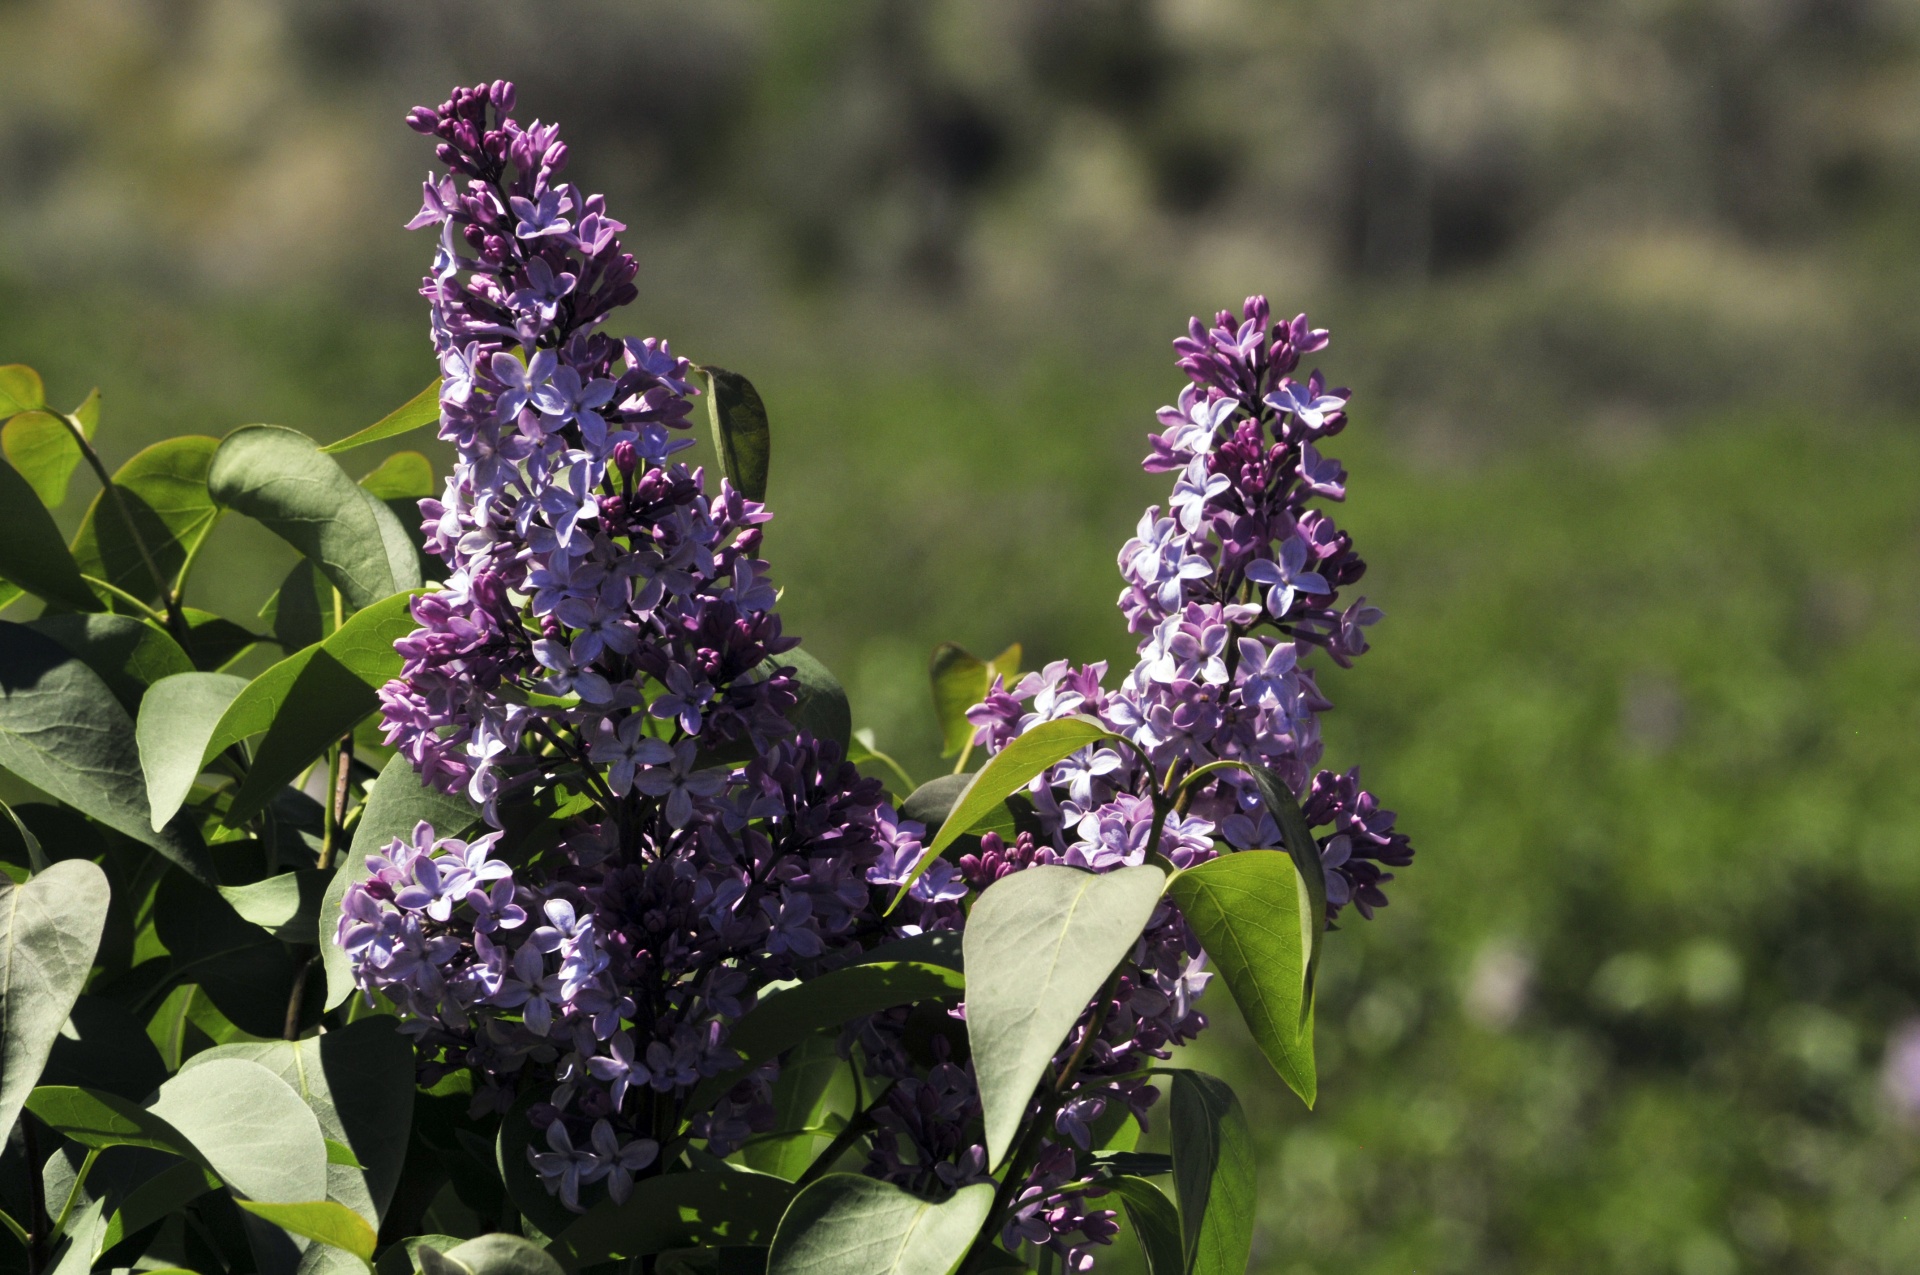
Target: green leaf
<point x="1305" y="851"/>
<point x="102" y="1046"/>
<point x="84" y="1233"/>
<point x="799" y="1101"/>
<point x="1039" y="944"/>
<point x="300" y="612"/>
<point x="787" y="1017"/>
<point x="420" y="410"/>
<point x="129" y="654"/>
<point x="166" y="1191"/>
<point x="279" y="478"/>
<point x="401" y="476"/>
<point x="499" y="1254"/>
<point x="675" y="1210"/>
<point x="740" y="433"/>
<point x="42" y="447"/>
<point x="286" y="906"/>
<point x="846" y="1224"/>
<point x="1011" y="769"/>
<point x="358" y="1082"/>
<point x="960" y="680"/>
<point x="175" y="731"/>
<point x="99" y="1120"/>
<point x="323" y="1220"/>
<point x="931" y="803"/>
<point x="1246" y="909"/>
<point x="1214" y="1175"/>
<point x="49" y="931"/>
<point x="523" y="1184"/>
<point x="216" y="640"/>
<point x="311" y="699"/>
<point x="403" y="1257"/>
<point x="62" y="730"/>
<point x="398" y="802"/>
<point x="936" y="947"/>
<point x="164" y="489"/>
<point x="245" y="972"/>
<point x="251" y="1127"/>
<point x="20" y="389"/>
<point x="32" y="553"/>
<point x="822" y="710"/>
<point x="1155" y="1222"/>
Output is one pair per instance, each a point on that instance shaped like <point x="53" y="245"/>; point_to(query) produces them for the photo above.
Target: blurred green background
<point x="1624" y="291"/>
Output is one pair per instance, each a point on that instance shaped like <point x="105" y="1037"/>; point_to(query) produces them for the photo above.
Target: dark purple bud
<point x="501" y="94"/>
<point x="422" y="119"/>
<point x="556" y="157"/>
<point x="625" y="457"/>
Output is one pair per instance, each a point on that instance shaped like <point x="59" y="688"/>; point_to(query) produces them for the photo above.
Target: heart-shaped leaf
<point x="20" y="389"/>
<point x="163" y="490"/>
<point x="1246" y="909"/>
<point x="62" y="730"/>
<point x="846" y="1224"/>
<point x="251" y="1127"/>
<point x="280" y="478"/>
<point x="1039" y="945"/>
<point x="49" y="931"/>
<point x="42" y="447"/>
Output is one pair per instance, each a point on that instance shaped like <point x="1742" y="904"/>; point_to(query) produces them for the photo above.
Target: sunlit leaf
<point x="1305" y="852"/>
<point x="1039" y="945"/>
<point x="20" y="389"/>
<point x="1246" y="909"/>
<point x="251" y="1127"/>
<point x="49" y="931"/>
<point x="280" y="478"/>
<point x="176" y="725"/>
<point x="286" y="906"/>
<point x="42" y="447"/>
<point x="421" y="410"/>
<point x="327" y="1221"/>
<point x="846" y="1224"/>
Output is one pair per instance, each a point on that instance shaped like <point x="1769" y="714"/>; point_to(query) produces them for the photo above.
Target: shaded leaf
<point x="846" y="1224"/>
<point x="216" y="640"/>
<point x="398" y="802"/>
<point x="85" y="1230"/>
<point x="1155" y="1222"/>
<point x="300" y="612"/>
<point x="279" y="478"/>
<point x="421" y="410"/>
<point x="32" y="553"/>
<point x="166" y="1191"/>
<point x="1039" y="944"/>
<point x="931" y="803"/>
<point x="324" y="1220"/>
<point x="309" y="700"/>
<point x="500" y="1254"/>
<point x="676" y="1210"/>
<point x="961" y="679"/>
<point x="1246" y="909"/>
<point x="164" y="491"/>
<point x="102" y="1046"/>
<point x="62" y="730"/>
<point x="523" y="1184"/>
<point x="129" y="654"/>
<point x="251" y="1127"/>
<point x="799" y="1101"/>
<point x="286" y="906"/>
<point x="49" y="930"/>
<point x="822" y="710"/>
<point x="42" y="447"/>
<point x="935" y="947"/>
<point x="244" y="971"/>
<point x="98" y="1120"/>
<point x="787" y="1017"/>
<point x="1214" y="1175"/>
<point x="740" y="433"/>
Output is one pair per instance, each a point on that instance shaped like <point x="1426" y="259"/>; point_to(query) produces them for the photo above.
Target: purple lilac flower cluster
<point x="605" y="637"/>
<point x="1230" y="588"/>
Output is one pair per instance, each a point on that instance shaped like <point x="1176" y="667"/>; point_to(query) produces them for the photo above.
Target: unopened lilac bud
<point x="501" y="94"/>
<point x="625" y="456"/>
<point x="556" y="157"/>
<point x="422" y="119"/>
